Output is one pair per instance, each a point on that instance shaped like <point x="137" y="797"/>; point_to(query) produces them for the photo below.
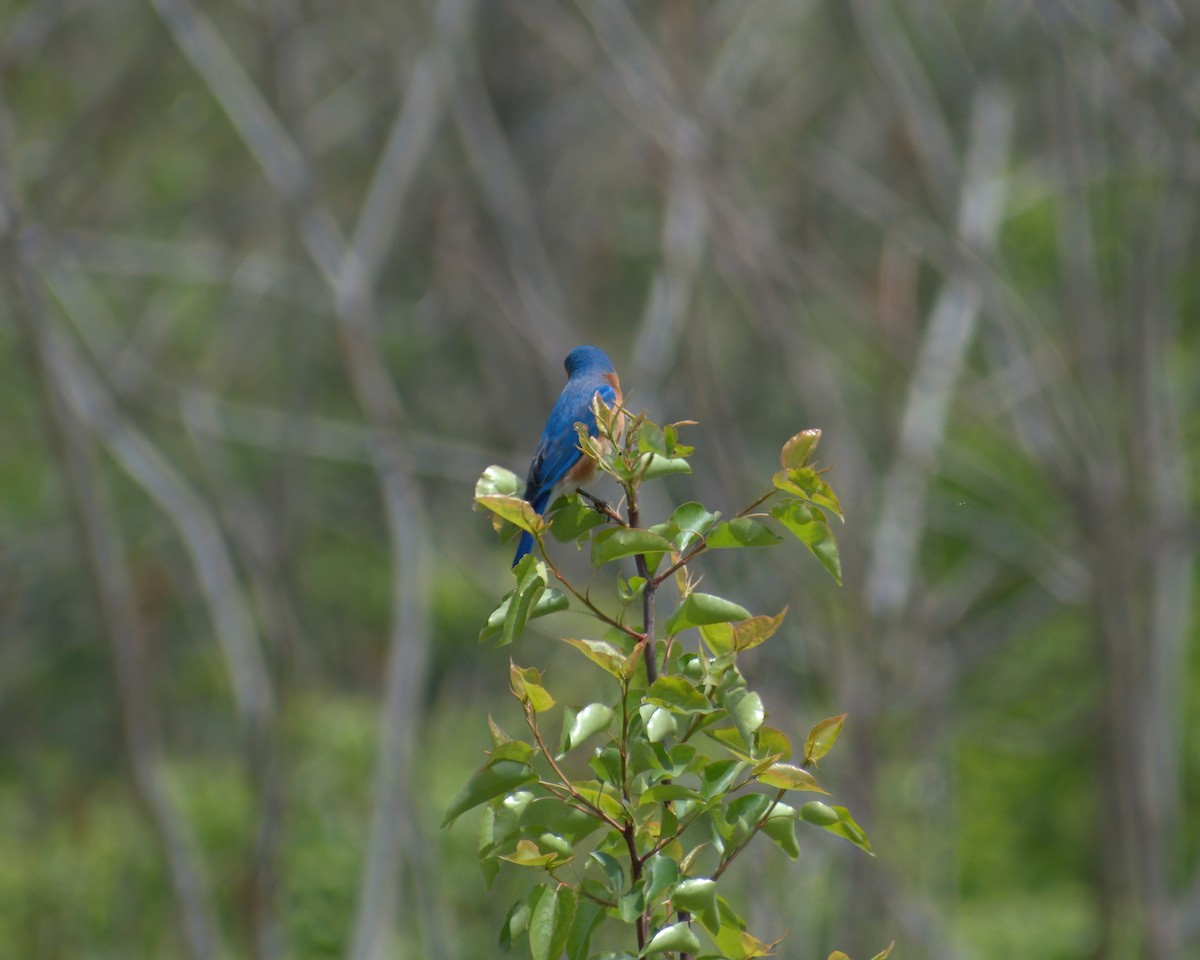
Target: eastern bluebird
<point x="558" y="461"/>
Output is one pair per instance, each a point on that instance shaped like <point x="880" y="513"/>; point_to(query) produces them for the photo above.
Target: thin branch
<point x="585" y="599"/>
<point x="565" y="781"/>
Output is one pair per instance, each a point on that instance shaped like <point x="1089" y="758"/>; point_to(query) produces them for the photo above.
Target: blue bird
<point x="558" y="461"/>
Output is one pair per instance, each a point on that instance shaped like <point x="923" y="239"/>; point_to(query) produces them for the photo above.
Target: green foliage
<point x="683" y="771"/>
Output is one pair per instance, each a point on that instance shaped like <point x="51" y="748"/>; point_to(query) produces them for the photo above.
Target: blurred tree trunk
<point x="1130" y="490"/>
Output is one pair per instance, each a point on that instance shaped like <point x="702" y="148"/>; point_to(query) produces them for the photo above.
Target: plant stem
<point x="601" y="507"/>
<point x="583" y="598"/>
<point x="764" y="497"/>
<point x="647" y="594"/>
<point x="635" y="873"/>
<point x="651" y="673"/>
<point x="531" y="721"/>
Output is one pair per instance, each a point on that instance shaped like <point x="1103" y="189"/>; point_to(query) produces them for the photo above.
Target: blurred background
<point x="281" y="277"/>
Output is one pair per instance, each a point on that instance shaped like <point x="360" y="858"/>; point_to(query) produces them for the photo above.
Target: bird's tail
<point x="525" y="544"/>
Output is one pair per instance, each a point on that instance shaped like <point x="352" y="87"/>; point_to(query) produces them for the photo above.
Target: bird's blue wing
<point x="558" y="449"/>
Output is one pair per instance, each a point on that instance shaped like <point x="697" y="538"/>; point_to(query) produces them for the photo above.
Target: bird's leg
<point x="601" y="506"/>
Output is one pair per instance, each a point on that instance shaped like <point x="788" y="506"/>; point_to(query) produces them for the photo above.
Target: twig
<point x="585" y="599"/>
<point x="531" y="721"/>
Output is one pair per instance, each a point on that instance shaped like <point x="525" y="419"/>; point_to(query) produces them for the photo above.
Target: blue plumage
<point x="558" y="461"/>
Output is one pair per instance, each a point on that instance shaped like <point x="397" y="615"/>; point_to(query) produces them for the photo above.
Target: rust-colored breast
<point x="612" y="381"/>
<point x="581" y="472"/>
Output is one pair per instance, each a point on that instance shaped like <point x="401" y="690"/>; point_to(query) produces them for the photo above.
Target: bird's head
<point x="587" y="360"/>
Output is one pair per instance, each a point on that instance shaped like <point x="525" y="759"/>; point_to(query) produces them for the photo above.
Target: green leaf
<point x="588" y="915"/>
<point x="698" y="609"/>
<point x="750" y="633"/>
<point x="550" y="923"/>
<point x="607" y="763"/>
<point x="674" y="691"/>
<point x="677" y="936"/>
<point x="601" y="653"/>
<point x="661" y="874"/>
<point x="743" y="532"/>
<point x="551" y="601"/>
<point x="517" y="750"/>
<point x="823" y="496"/>
<point x="529" y="854"/>
<point x="725" y="637"/>
<point x="516" y="511"/>
<point x="772" y="743"/>
<point x="517" y="921"/>
<point x="661" y="725"/>
<point x="549" y="814"/>
<point x="809" y="484"/>
<point x="717" y="636"/>
<point x="654" y="465"/>
<point x="745" y="710"/>
<point x="498" y="735"/>
<point x="744" y="814"/>
<point x="699" y="895"/>
<point x="496" y="481"/>
<point x="693" y="521"/>
<point x="560" y="846"/>
<point x="781" y="828"/>
<point x="789" y="777"/>
<point x="486" y="842"/>
<point x="733" y="939"/>
<point x="818" y="813"/>
<point x="526" y="685"/>
<point x="613" y="870"/>
<point x="629" y="590"/>
<point x="502" y="815"/>
<point x="573" y="519"/>
<point x="595" y="793"/>
<point x="590" y="720"/>
<point x="650" y="438"/>
<point x="730" y="738"/>
<point x="621" y="542"/>
<point x="495" y="778"/>
<point x="885" y="952"/>
<point x="531" y="584"/>
<point x="718" y="775"/>
<point x="797" y="450"/>
<point x="822" y="737"/>
<point x="836" y="820"/>
<point x="665" y="792"/>
<point x="630" y="905"/>
<point x="810" y="527"/>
